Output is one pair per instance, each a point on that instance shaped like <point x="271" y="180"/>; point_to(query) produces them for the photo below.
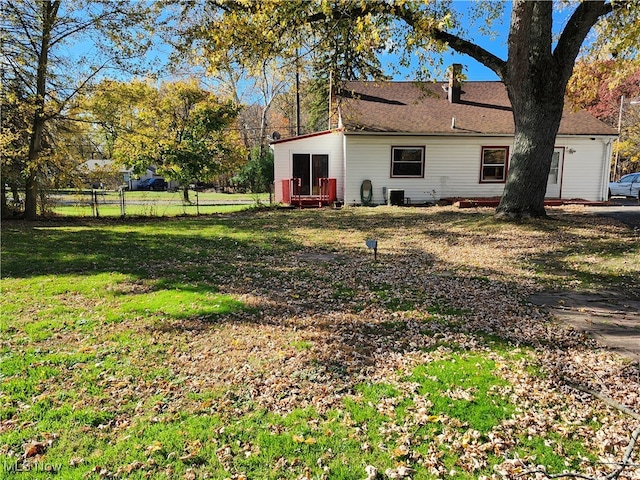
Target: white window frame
<point x="395" y="162"/>
<point x="504" y="165"/>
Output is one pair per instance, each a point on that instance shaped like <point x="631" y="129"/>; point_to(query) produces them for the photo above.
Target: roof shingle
<point x="406" y="107"/>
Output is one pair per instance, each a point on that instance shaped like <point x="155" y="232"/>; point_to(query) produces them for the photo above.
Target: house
<point x="409" y="143"/>
<point x="103" y="172"/>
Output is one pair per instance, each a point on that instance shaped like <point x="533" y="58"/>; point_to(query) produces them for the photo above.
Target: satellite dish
<point x="275" y="136"/>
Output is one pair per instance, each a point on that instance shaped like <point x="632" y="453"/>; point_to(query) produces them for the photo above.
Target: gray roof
<point x="406" y="107"/>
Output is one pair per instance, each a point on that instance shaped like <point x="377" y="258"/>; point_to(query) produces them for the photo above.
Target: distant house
<point x="401" y="142"/>
<point x="102" y="172"/>
<point x="125" y="175"/>
<point x="97" y="163"/>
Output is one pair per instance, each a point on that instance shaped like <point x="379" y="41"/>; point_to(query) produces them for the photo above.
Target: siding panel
<point x="452" y="165"/>
<point x="586" y="167"/>
<point x="448" y="172"/>
<point x="329" y="143"/>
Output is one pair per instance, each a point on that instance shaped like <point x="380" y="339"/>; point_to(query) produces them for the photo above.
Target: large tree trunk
<point x="536" y="78"/>
<point x="537" y="120"/>
<point x="31" y="198"/>
<point x="537" y="99"/>
<point x="35" y="148"/>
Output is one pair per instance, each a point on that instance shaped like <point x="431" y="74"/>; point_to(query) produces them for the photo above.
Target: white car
<point x="627" y="186"/>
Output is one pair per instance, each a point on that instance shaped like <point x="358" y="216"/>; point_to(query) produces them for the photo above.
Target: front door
<point x="555" y="174"/>
<point x="309" y="168"/>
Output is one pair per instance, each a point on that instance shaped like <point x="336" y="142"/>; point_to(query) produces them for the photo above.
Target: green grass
<point x="461" y="387"/>
<point x="557" y="453"/>
<point x="151" y="210"/>
<point x="153" y="204"/>
<point x="114" y="333"/>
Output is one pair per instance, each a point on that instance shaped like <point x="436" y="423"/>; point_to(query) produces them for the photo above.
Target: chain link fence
<point x="122" y="203"/>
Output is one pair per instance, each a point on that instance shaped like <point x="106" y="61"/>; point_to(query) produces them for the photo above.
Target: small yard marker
<point x="373" y="244"/>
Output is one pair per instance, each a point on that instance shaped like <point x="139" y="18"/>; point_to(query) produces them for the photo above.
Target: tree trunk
<point x="535" y="75"/>
<point x="31" y="197"/>
<point x="536" y="125"/>
<point x="185" y="194"/>
<point x="536" y="83"/>
<point x="49" y="12"/>
<point x="4" y="209"/>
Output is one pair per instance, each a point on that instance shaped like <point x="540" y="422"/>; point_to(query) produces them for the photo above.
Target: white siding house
<point x="418" y="141"/>
<point x="324" y="145"/>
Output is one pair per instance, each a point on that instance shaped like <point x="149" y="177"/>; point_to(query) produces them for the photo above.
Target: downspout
<point x="298" y="129"/>
<point x="344" y="168"/>
<point x="606" y="169"/>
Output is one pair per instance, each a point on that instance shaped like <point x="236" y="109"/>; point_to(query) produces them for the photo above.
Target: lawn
<point x="106" y="203"/>
<point x="268" y="344"/>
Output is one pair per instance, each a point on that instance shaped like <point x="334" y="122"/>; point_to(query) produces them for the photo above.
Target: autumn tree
<point x="14" y="140"/>
<point x="610" y="90"/>
<point x="257" y="85"/>
<point x="115" y="110"/>
<point x="54" y="50"/>
<point x="196" y="143"/>
<point x="538" y="66"/>
<point x="60" y="150"/>
<point x="180" y="128"/>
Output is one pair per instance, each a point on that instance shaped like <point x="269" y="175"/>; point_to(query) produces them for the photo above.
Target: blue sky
<point x="474" y="70"/>
<point x="497" y="45"/>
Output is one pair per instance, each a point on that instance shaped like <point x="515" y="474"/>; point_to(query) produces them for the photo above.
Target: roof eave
<point x="466" y="134"/>
<point x="308" y="135"/>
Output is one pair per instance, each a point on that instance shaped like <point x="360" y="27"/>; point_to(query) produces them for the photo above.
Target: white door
<point x="555" y="174"/>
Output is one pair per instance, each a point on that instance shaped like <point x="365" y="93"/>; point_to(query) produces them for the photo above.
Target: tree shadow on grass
<point x="194" y="271"/>
<point x="324" y="317"/>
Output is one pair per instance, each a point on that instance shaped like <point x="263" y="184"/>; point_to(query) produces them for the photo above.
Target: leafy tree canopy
<point x="182" y="129"/>
<point x="52" y="50"/>
<point x="598" y="85"/>
<point x="610" y="90"/>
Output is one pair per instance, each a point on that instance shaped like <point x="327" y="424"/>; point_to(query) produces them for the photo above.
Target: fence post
<point x="94" y="195"/>
<point x="122" y="209"/>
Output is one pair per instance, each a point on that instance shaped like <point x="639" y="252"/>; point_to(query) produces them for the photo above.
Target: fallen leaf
<point x="34" y="448"/>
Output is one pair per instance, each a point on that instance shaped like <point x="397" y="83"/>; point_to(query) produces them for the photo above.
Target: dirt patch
<point x="609" y="317"/>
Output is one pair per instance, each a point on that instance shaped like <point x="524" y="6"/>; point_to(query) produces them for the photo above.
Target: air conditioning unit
<point x="395" y="196"/>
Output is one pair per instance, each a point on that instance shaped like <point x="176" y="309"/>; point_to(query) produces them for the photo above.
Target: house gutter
<point x="461" y="134"/>
<point x="431" y="134"/>
<point x="308" y="135"/>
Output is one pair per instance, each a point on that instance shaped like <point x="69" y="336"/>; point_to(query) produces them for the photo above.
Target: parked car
<point x="152" y="184"/>
<point x="627" y="186"/>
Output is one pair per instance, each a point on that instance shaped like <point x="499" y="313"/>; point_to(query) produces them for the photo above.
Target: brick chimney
<point x="453" y="92"/>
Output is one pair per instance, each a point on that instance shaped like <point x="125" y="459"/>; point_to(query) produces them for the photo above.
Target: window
<point x="407" y="162"/>
<point x="554" y="171"/>
<point x="494" y="164"/>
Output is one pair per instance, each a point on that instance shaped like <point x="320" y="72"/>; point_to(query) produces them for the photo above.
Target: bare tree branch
<point x="609" y="401"/>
